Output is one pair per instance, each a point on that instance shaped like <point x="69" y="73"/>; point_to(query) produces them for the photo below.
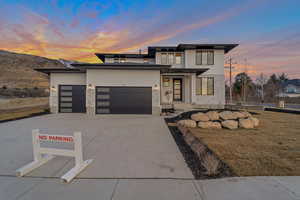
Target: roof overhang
<point x="185" y="70"/>
<point x="122" y="66"/>
<point x="59" y="70"/>
<point x="102" y="56"/>
<point x="182" y="47"/>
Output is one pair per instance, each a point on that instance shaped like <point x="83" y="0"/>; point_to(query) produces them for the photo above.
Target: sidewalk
<point x="252" y="188"/>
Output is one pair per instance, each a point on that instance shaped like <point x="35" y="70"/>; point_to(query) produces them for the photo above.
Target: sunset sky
<point x="268" y="31"/>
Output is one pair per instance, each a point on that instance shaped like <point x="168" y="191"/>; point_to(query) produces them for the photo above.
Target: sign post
<point x="42" y="155"/>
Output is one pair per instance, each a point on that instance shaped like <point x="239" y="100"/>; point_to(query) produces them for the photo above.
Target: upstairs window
<point x="178" y="58"/>
<point x="204" y="57"/>
<point x="171" y="58"/>
<point x="116" y="60"/>
<point x="205" y="86"/>
<point x="164" y="60"/>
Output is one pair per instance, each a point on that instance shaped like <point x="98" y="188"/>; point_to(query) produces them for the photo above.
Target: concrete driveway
<point x="122" y="146"/>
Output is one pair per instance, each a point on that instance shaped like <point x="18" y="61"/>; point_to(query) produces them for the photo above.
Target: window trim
<point x="199" y="88"/>
<point x="200" y="52"/>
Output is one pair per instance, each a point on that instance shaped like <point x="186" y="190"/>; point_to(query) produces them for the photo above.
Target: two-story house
<point x="190" y="74"/>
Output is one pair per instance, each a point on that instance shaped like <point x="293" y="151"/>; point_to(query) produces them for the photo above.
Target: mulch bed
<point x="191" y="158"/>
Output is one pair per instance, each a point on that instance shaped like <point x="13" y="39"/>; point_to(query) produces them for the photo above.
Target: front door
<point x="177" y="89"/>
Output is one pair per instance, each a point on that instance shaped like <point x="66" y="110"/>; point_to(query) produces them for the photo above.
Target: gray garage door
<point x="72" y="99"/>
<point x="123" y="100"/>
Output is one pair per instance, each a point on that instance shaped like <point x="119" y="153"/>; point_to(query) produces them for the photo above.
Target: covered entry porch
<point x="177" y="86"/>
<point x="176" y="89"/>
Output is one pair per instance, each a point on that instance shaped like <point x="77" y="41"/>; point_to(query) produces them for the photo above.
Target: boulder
<point x="246" y="114"/>
<point x="213" y="115"/>
<point x="246" y="123"/>
<point x="227" y="115"/>
<point x="239" y="115"/>
<point x="204" y="124"/>
<point x="255" y="121"/>
<point x="230" y="124"/>
<point x="209" y="125"/>
<point x="200" y="117"/>
<point x="216" y="125"/>
<point x="187" y="123"/>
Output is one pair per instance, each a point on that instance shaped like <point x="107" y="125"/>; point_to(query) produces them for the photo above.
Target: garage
<point x="72" y="98"/>
<point x="123" y="100"/>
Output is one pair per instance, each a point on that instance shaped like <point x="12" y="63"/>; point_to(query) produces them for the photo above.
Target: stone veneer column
<point x="90" y="101"/>
<point x="156" y="108"/>
<point x="53" y="100"/>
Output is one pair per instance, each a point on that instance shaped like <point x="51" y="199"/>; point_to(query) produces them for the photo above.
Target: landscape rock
<point x="246" y="123"/>
<point x="230" y="124"/>
<point x="246" y="114"/>
<point x="209" y="125"/>
<point x="200" y="117"/>
<point x="255" y="121"/>
<point x="204" y="124"/>
<point x="213" y="115"/>
<point x="187" y="123"/>
<point x="227" y="115"/>
<point x="216" y="125"/>
<point x="239" y="115"/>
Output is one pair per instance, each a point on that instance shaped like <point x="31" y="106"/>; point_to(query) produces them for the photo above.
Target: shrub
<point x="211" y="164"/>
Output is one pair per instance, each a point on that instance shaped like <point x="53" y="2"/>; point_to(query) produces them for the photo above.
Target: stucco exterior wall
<point x="212" y="101"/>
<point x="217" y="68"/>
<point x="138" y="78"/>
<point x="216" y="71"/>
<point x="57" y="79"/>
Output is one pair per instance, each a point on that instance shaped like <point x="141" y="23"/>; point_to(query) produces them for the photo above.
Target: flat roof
<point x="59" y="70"/>
<point x="185" y="70"/>
<point x="102" y="56"/>
<point x="182" y="47"/>
<point x="138" y="66"/>
<point x="81" y="68"/>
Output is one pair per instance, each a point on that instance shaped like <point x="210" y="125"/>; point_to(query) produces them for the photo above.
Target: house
<point x="291" y="88"/>
<point x="187" y="74"/>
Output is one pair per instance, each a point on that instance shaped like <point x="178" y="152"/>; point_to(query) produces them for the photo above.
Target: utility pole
<point x="244" y="82"/>
<point x="230" y="62"/>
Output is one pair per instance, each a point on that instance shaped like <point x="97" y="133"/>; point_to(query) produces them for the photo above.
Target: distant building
<point x="291" y="88"/>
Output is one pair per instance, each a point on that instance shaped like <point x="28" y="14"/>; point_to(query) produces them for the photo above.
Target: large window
<point x="178" y="58"/>
<point x="204" y="57"/>
<point x="164" y="58"/>
<point x="205" y="86"/>
<point x="171" y="58"/>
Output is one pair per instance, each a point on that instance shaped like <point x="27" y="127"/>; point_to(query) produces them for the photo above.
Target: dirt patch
<point x="21" y="113"/>
<point x="272" y="149"/>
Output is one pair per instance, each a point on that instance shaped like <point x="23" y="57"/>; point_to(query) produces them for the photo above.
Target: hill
<point x="16" y="70"/>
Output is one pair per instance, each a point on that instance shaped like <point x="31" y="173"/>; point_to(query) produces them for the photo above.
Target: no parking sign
<point x="42" y="155"/>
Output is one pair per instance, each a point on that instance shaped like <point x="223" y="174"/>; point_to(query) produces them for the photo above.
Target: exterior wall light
<point x="156" y="87"/>
<point x="90" y="86"/>
<point x="53" y="89"/>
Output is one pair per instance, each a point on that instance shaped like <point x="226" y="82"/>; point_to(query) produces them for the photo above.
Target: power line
<point x="230" y="62"/>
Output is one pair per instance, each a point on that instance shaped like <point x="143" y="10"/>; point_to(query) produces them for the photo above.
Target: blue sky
<point x="268" y="31"/>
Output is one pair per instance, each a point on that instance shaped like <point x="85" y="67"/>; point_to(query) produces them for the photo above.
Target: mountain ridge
<point x="17" y="70"/>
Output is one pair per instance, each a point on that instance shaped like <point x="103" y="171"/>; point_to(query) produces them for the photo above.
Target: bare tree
<point x="261" y="81"/>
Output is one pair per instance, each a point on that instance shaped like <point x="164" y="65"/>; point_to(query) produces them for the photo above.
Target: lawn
<point x="272" y="149"/>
